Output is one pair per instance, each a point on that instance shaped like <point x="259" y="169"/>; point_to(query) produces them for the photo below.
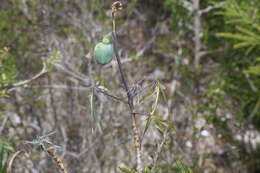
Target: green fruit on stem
<point x="104" y="51"/>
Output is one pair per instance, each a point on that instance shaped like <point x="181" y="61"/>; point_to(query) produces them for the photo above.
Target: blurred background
<point x="202" y="56"/>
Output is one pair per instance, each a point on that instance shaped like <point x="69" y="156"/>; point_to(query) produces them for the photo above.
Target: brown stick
<point x="116" y="6"/>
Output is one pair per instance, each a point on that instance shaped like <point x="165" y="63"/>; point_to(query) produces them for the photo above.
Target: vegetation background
<point x="203" y="57"/>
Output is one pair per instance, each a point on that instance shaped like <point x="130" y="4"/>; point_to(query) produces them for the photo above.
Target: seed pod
<point x="103" y="51"/>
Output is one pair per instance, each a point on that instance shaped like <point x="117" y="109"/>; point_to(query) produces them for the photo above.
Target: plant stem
<point x="197" y="32"/>
<point x="137" y="143"/>
<point x="56" y="159"/>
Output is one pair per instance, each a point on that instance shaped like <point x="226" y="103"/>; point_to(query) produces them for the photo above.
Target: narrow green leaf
<point x="93" y="109"/>
<point x="162" y="89"/>
<point x="126" y="170"/>
<point x="151" y="91"/>
<point x="147" y="125"/>
<point x="159" y="128"/>
<point x="250" y="49"/>
<point x="1" y="158"/>
<point x="242" y="44"/>
<point x="247" y="31"/>
<point x="235" y="36"/>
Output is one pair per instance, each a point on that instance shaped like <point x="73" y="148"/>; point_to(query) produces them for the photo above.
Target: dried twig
<point x="55" y="157"/>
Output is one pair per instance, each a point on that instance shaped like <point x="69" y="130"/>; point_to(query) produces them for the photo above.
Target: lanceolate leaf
<point x="235" y="36"/>
<point x="162" y="90"/>
<point x="242" y="44"/>
<point x="147" y="125"/>
<point x="94" y="113"/>
<point x="126" y="170"/>
<point x="247" y="31"/>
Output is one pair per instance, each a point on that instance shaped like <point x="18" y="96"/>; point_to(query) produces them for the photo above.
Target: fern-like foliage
<point x="245" y="18"/>
<point x="243" y="32"/>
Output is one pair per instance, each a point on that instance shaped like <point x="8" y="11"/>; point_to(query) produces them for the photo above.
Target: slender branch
<point x="114" y="39"/>
<point x="84" y="79"/>
<point x="114" y="62"/>
<point x="142" y="114"/>
<point x="116" y="6"/>
<point x="197" y="32"/>
<point x="110" y="95"/>
<point x="60" y="86"/>
<point x="10" y="87"/>
<point x="197" y="13"/>
<point x="42" y="72"/>
<point x="209" y="8"/>
<point x="80" y="88"/>
<point x="11" y="161"/>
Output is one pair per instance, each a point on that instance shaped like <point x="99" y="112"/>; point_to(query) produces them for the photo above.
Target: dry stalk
<point x="56" y="159"/>
<point x="117" y="6"/>
<point x="10" y="163"/>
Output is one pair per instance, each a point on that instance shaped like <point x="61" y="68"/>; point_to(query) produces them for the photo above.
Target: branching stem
<point x="116" y="6"/>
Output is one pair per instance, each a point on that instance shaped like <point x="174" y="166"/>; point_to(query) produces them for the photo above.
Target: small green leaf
<point x="107" y="39"/>
<point x="162" y="89"/>
<point x="151" y="91"/>
<point x="160" y="128"/>
<point x="161" y="122"/>
<point x="54" y="58"/>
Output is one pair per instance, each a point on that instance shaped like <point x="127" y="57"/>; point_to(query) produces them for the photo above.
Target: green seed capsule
<point x="103" y="51"/>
